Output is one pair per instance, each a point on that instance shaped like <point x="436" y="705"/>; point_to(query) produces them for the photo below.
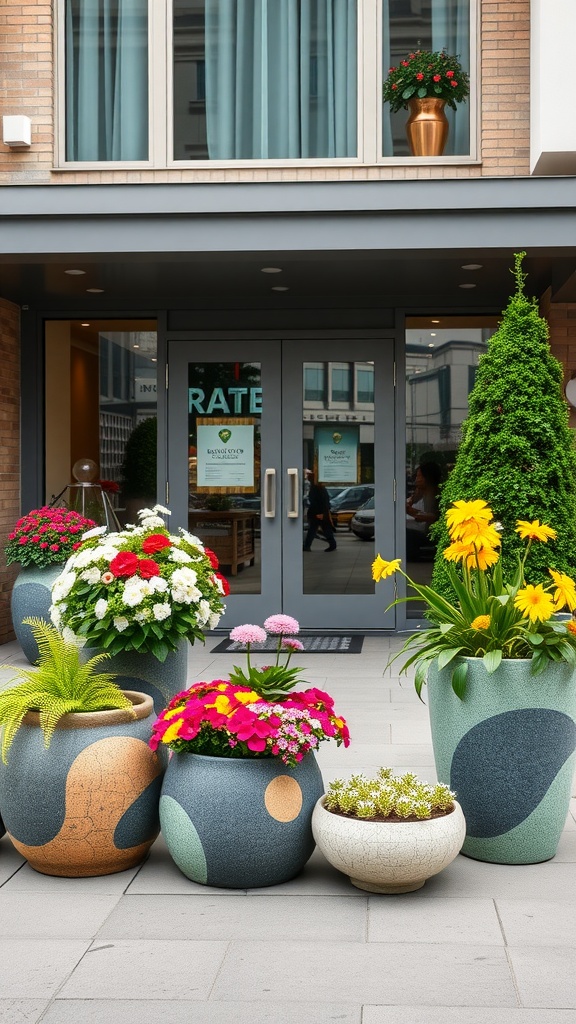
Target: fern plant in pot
<point x="389" y="833"/>
<point x="79" y="785"/>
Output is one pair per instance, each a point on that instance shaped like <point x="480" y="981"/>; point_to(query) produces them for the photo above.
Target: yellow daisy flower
<point x="482" y="558"/>
<point x="381" y="569"/>
<point x="250" y="697"/>
<point x="172" y="731"/>
<point x="565" y="593"/>
<point x="571" y="627"/>
<point x="458" y="551"/>
<point x="480" y="534"/>
<point x="480" y="622"/>
<point x="535" y="602"/>
<point x="535" y="530"/>
<point x="463" y="513"/>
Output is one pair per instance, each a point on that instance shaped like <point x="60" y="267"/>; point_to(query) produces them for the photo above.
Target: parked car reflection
<point x="362" y="522"/>
<point x="345" y="504"/>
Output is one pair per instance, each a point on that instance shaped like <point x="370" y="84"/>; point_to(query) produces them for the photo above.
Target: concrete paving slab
<point x="35" y="968"/>
<point x="28" y="880"/>
<point x="566" y="852"/>
<point x="461" y="1015"/>
<point x="393" y="973"/>
<point x="10" y="860"/>
<point x="151" y="969"/>
<point x="539" y="922"/>
<point x="55" y="916"/>
<point x="21" y="1011"/>
<point x="415" y="917"/>
<point x="143" y="1011"/>
<point x="545" y="976"/>
<point x="318" y="878"/>
<point x="467" y="877"/>
<point x="237" y="917"/>
<point x="159" y="874"/>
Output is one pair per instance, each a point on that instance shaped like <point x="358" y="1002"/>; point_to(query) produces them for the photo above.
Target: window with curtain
<point x="106" y="79"/>
<point x="425" y="25"/>
<point x="265" y="79"/>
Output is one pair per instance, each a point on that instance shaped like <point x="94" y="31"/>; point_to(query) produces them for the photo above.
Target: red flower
<point x="147" y="568"/>
<point x="391" y="70"/>
<point x="212" y="557"/>
<point x="449" y="74"/>
<point x="419" y="76"/>
<point x="224" y="582"/>
<point x="125" y="563"/>
<point x="454" y="82"/>
<point x="404" y="63"/>
<point x="436" y="78"/>
<point x="155" y="542"/>
<point x="394" y="86"/>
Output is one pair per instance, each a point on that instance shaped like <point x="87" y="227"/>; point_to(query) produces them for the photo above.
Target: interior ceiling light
<point x="95" y="291"/>
<point x="432" y="334"/>
<point x="85" y="324"/>
<point x="135" y="346"/>
<point x="430" y="344"/>
<point x="75" y="273"/>
<point x="434" y="321"/>
<point x="472" y="266"/>
<point x="467" y="285"/>
<point x="271" y="270"/>
<point x="280" y="288"/>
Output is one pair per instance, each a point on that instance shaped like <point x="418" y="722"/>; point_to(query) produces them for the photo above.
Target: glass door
<point x="258" y="434"/>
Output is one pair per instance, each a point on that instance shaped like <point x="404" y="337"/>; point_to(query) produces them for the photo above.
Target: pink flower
<point x="248" y="634"/>
<point x="291" y="644"/>
<point x="281" y="624"/>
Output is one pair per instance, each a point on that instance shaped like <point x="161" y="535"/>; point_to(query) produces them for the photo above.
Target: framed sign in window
<point x="225" y="452"/>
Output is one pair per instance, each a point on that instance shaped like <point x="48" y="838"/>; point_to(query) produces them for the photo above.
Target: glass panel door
<point x="258" y="433"/>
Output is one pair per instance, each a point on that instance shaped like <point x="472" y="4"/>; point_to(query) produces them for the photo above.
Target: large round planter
<point x="507" y="750"/>
<point x="32" y="597"/>
<point x="388" y="856"/>
<point x="427" y="126"/>
<point x="88" y="805"/>
<point x="144" y="673"/>
<point x="239" y="823"/>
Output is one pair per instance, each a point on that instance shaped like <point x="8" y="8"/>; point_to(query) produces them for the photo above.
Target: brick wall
<point x="27" y="77"/>
<point x="9" y="451"/>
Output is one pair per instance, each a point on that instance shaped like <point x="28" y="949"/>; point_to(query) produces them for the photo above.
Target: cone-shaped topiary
<point x="517" y="451"/>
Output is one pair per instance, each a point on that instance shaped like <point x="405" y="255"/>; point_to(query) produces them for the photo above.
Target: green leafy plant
<point x="426" y="73"/>
<point x="517" y="452"/>
<point x="271" y="681"/>
<point x="388" y="797"/>
<point x="489" y="619"/>
<point x="58" y="686"/>
<point x="139" y="465"/>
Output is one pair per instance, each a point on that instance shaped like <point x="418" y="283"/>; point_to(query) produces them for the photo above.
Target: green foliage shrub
<point x="139" y="466"/>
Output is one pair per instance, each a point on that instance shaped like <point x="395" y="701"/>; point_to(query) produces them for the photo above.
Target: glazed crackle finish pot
<point x="507" y="750"/>
<point x="388" y="856"/>
<point x="31" y="597"/>
<point x="239" y="822"/>
<point x="87" y="805"/>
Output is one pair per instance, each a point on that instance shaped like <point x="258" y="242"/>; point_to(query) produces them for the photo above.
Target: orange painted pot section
<point x="89" y="804"/>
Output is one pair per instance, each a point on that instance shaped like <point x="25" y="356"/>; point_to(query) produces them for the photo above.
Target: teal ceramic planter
<point x="87" y="805"/>
<point x="239" y="823"/>
<point x="507" y="750"/>
<point x="32" y="597"/>
<point x="144" y="673"/>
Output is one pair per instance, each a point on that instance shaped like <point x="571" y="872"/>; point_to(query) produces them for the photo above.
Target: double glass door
<point x="253" y="428"/>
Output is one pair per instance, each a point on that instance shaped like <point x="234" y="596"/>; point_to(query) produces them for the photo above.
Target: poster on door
<point x="337" y="449"/>
<point x="225" y="455"/>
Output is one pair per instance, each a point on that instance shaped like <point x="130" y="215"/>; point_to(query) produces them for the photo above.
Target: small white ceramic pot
<point x="388" y="856"/>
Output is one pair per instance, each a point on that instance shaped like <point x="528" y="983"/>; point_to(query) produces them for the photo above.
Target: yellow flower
<point x="222" y="704"/>
<point x="465" y="513"/>
<point x="247" y="698"/>
<point x="535" y="602"/>
<point x="571" y="627"/>
<point x="172" y="731"/>
<point x="565" y="592"/>
<point x="481" y="622"/>
<point x="482" y="558"/>
<point x="458" y="551"/>
<point x="381" y="569"/>
<point x="480" y="534"/>
<point x="535" y="530"/>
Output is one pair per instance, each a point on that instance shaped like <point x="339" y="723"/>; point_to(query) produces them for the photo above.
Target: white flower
<point x="191" y="539"/>
<point x="107" y="553"/>
<point x="214" y="619"/>
<point x="159" y="585"/>
<point x="72" y="638"/>
<point x="219" y="584"/>
<point x="62" y="586"/>
<point x="161" y="611"/>
<point x="143" y="615"/>
<point x="203" y="612"/>
<point x="84" y="558"/>
<point x="91" y="575"/>
<point x="121" y="623"/>
<point x="56" y="615"/>
<point x="177" y="555"/>
<point x="186" y="577"/>
<point x="145" y="512"/>
<point x="135" y="590"/>
<point x="184" y="589"/>
<point x="94" y="532"/>
<point x="100" y="608"/>
<point x="163" y="511"/>
<point x="151" y="522"/>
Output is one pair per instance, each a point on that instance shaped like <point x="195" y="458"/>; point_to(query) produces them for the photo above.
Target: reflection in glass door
<point x="258" y="434"/>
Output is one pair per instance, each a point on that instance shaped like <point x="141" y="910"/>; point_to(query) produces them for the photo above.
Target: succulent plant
<point x="388" y="796"/>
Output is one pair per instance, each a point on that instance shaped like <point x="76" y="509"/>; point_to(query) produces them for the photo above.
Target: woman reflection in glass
<point x="422" y="509"/>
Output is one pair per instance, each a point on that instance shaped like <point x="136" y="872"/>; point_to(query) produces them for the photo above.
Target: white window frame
<point x="160" y="102"/>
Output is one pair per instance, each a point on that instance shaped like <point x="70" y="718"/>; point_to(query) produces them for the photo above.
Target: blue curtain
<point x="106" y="79"/>
<point x="281" y="78"/>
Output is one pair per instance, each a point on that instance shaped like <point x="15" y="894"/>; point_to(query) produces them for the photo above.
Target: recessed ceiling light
<point x="468" y="285"/>
<point x="95" y="291"/>
<point x="434" y="321"/>
<point x="430" y="344"/>
<point x="135" y="346"/>
<point x="153" y="359"/>
<point x="472" y="266"/>
<point x="280" y="288"/>
<point x="271" y="270"/>
<point x="85" y="325"/>
<point x="75" y="273"/>
<point x="432" y="334"/>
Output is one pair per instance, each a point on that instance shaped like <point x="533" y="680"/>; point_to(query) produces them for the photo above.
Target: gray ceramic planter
<point x="239" y="823"/>
<point x="89" y="804"/>
<point x="507" y="750"/>
<point x="32" y="596"/>
<point x="144" y="673"/>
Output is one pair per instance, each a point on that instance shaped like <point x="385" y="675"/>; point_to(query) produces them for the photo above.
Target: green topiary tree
<point x="517" y="452"/>
<point x="139" y="466"/>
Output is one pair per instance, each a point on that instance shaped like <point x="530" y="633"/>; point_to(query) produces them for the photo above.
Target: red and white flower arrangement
<point x="142" y="589"/>
<point x="252" y="714"/>
<point x="46" y="536"/>
<point x="426" y="73"/>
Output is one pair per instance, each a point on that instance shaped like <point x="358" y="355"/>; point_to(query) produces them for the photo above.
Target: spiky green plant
<point x="517" y="452"/>
<point x="388" y="796"/>
<point x="58" y="686"/>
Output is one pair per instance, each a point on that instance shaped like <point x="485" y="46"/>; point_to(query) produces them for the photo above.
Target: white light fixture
<point x="432" y="334"/>
<point x="75" y="273"/>
<point x="467" y="285"/>
<point x="95" y="291"/>
<point x="271" y="270"/>
<point x="85" y="324"/>
<point x="570" y="390"/>
<point x="16" y="130"/>
<point x="472" y="266"/>
<point x="430" y="344"/>
<point x="434" y="321"/>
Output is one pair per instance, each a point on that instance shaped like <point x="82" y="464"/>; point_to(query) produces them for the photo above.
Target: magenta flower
<point x="282" y="624"/>
<point x="248" y="634"/>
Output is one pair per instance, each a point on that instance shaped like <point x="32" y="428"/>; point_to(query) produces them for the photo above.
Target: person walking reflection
<point x="318" y="515"/>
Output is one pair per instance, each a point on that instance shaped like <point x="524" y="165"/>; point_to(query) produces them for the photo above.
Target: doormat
<point x="341" y="644"/>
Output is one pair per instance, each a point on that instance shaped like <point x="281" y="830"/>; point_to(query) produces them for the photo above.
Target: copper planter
<point x="427" y="126"/>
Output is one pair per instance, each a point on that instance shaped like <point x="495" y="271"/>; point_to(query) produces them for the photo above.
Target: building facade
<point x="214" y="235"/>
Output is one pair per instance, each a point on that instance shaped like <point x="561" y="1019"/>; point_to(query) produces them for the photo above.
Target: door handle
<point x="293" y="494"/>
<point x="270" y="494"/>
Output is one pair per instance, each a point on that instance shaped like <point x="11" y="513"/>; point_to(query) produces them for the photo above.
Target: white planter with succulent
<point x="389" y="834"/>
